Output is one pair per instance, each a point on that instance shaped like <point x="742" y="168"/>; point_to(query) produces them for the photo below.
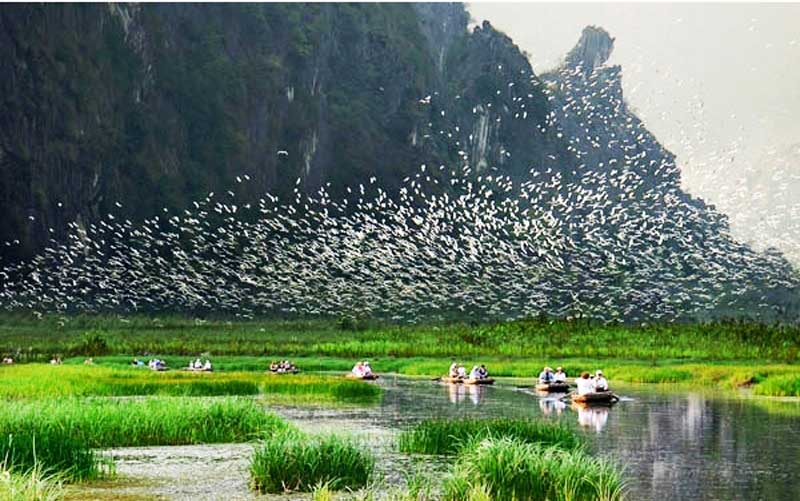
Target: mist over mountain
<point x="141" y="110"/>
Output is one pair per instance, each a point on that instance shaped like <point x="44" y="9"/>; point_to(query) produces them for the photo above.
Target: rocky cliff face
<point x="138" y="109"/>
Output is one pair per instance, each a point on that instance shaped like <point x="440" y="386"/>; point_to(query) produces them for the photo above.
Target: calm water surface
<point x="673" y="444"/>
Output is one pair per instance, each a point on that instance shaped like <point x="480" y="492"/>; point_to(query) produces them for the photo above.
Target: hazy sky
<point x="718" y="84"/>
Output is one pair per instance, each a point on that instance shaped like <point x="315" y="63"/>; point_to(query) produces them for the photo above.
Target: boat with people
<point x="362" y="371"/>
<point x="555" y="387"/>
<point x="365" y="377"/>
<point x="283" y="367"/>
<point x="479" y="381"/>
<point x="596" y="398"/>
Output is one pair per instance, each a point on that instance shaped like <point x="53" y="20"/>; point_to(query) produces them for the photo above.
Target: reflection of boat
<point x="596" y="398"/>
<point x="553" y="387"/>
<point x="457" y="393"/>
<point x="592" y="417"/>
<point x="486" y="380"/>
<point x="476" y="393"/>
<point x="366" y="377"/>
<point x="548" y="405"/>
<point x="451" y="380"/>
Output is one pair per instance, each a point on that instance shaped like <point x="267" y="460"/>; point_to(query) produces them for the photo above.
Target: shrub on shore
<point x="779" y="386"/>
<point x="508" y="469"/>
<point x="438" y="436"/>
<point x="297" y="462"/>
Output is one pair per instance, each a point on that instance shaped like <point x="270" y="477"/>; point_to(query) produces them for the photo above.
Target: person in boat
<point x="453" y="372"/>
<point x="367" y="369"/>
<point x="482" y="372"/>
<point x="560" y="376"/>
<point x="600" y="382"/>
<point x="198" y="364"/>
<point x="273" y="366"/>
<point x="55" y="361"/>
<point x="585" y="384"/>
<point x="89" y="361"/>
<point x="546" y="376"/>
<point x="461" y="373"/>
<point x="358" y="369"/>
<point x="474" y="374"/>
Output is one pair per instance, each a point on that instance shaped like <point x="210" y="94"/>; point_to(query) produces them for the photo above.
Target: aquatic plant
<point x="32" y="485"/>
<point x="508" y="469"/>
<point x="779" y="386"/>
<point x="298" y="462"/>
<point x="33" y="452"/>
<point x="439" y="436"/>
<point x="71" y="426"/>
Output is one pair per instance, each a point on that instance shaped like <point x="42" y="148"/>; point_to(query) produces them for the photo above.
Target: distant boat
<point x="367" y="377"/>
<point x="486" y="380"/>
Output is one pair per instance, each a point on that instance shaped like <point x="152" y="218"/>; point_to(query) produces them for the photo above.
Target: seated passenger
<point x="453" y="372"/>
<point x="461" y="373"/>
<point x="482" y="372"/>
<point x="474" y="373"/>
<point x="207" y="366"/>
<point x="198" y="364"/>
<point x="273" y="366"/>
<point x="367" y="369"/>
<point x="560" y="376"/>
<point x="600" y="383"/>
<point x="546" y="376"/>
<point x="358" y="370"/>
<point x="585" y="385"/>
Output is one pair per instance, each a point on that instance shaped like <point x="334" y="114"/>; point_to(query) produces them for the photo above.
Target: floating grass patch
<point x="508" y="469"/>
<point x="32" y="485"/>
<point x="297" y="462"/>
<point x="61" y="426"/>
<point x="779" y="386"/>
<point x="438" y="436"/>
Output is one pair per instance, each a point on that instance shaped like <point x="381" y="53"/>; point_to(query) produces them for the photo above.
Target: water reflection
<point x="458" y="393"/>
<point x="592" y="417"/>
<point x="549" y="406"/>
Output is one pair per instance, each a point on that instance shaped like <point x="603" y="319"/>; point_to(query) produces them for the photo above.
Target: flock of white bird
<point x="606" y="243"/>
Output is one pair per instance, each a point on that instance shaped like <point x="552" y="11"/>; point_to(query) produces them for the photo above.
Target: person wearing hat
<point x="600" y="383"/>
<point x="560" y="376"/>
<point x="546" y="376"/>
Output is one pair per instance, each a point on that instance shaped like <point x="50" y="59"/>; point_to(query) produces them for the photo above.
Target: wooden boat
<point x="281" y="373"/>
<point x="486" y="380"/>
<point x="451" y="380"/>
<point x="368" y="377"/>
<point x="553" y="387"/>
<point x="597" y="398"/>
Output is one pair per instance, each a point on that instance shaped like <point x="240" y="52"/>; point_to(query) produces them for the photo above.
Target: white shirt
<point x="474" y="374"/>
<point x="600" y="383"/>
<point x="560" y="377"/>
<point x="584" y="386"/>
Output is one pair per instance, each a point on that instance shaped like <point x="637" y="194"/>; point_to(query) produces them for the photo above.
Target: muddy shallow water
<point x="673" y="444"/>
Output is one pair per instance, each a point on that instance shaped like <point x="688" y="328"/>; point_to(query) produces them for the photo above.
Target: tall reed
<point x="439" y="436"/>
<point x="297" y="462"/>
<point x="33" y="485"/>
<point x="511" y="470"/>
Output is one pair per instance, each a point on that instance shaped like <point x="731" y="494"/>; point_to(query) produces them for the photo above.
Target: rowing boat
<point x="367" y="377"/>
<point x="486" y="380"/>
<point x="451" y="380"/>
<point x="553" y="387"/>
<point x="600" y="398"/>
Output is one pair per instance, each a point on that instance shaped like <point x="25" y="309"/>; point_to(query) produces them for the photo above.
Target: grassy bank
<point x="438" y="436"/>
<point x="44" y="380"/>
<point x="29" y="338"/>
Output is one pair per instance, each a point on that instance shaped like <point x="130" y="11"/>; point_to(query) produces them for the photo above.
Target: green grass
<point x="508" y="469"/>
<point x="297" y="462"/>
<point x="102" y="423"/>
<point x="29" y="338"/>
<point x="33" y="485"/>
<point x="780" y="386"/>
<point x="26" y="449"/>
<point x="438" y="436"/>
<point x="46" y="381"/>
